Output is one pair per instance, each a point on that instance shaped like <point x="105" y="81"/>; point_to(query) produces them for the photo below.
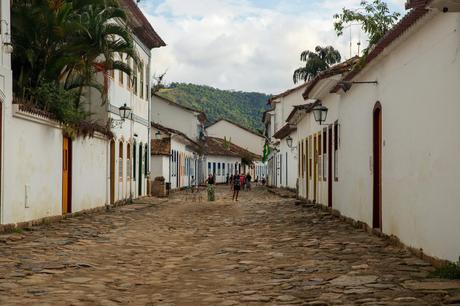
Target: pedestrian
<point x="242" y="181"/>
<point x="211" y="188"/>
<point x="248" y="181"/>
<point x="236" y="187"/>
<point x="193" y="184"/>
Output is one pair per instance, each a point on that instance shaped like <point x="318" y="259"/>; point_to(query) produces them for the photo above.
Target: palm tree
<point x="315" y="62"/>
<point x="67" y="43"/>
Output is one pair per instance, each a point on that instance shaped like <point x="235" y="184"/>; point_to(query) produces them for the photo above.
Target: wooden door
<point x="329" y="168"/>
<point x="112" y="172"/>
<point x="140" y="171"/>
<point x="377" y="166"/>
<point x="315" y="167"/>
<point x="307" y="177"/>
<point x="66" y="175"/>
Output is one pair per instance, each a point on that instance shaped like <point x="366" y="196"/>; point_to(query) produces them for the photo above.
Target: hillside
<point x="244" y="108"/>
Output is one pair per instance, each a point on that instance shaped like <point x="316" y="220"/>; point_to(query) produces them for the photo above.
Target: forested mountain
<point x="244" y="108"/>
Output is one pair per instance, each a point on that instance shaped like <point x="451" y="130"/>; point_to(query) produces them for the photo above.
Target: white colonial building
<point x="386" y="153"/>
<point x="243" y="138"/>
<point x="176" y="133"/>
<point x="50" y="174"/>
<point x="282" y="138"/>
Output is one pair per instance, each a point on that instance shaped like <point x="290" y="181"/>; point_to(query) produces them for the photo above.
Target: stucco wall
<point x="170" y="115"/>
<point x="240" y="137"/>
<point x="89" y="172"/>
<point x="418" y="91"/>
<point x="223" y="160"/>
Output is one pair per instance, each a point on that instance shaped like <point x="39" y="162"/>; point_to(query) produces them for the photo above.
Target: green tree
<point x="315" y="62"/>
<point x="62" y="45"/>
<point x="374" y="17"/>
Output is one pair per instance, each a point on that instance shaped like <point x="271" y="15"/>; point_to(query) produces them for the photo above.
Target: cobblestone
<point x="262" y="250"/>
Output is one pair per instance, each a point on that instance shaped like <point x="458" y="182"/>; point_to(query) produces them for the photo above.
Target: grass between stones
<point x="449" y="271"/>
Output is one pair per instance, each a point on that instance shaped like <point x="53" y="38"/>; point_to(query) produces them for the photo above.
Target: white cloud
<point x="232" y="44"/>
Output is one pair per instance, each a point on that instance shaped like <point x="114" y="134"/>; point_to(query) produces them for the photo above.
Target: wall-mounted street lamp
<point x="346" y="85"/>
<point x="158" y="135"/>
<point x="289" y="143"/>
<point x="125" y="112"/>
<point x="320" y="113"/>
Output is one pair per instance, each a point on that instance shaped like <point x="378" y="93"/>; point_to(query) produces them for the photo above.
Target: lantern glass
<point x="125" y="112"/>
<point x="320" y="113"/>
<point x="289" y="141"/>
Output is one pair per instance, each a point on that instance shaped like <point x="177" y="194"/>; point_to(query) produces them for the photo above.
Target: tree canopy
<point x="315" y="62"/>
<point x="374" y="17"/>
<point x="61" y="45"/>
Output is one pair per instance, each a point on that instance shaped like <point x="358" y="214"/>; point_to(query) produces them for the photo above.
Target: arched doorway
<point x="377" y="166"/>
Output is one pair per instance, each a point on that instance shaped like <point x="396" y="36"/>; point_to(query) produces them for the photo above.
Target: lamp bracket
<point x="116" y="123"/>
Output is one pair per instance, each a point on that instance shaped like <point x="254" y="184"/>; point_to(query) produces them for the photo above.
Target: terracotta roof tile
<point x="161" y="146"/>
<point x="285" y="131"/>
<point x="220" y="147"/>
<point x="141" y="26"/>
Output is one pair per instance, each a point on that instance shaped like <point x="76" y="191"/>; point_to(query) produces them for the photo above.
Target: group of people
<point x="237" y="182"/>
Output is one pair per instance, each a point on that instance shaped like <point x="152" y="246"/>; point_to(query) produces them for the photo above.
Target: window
<point x="146" y="157"/>
<point x="214" y="169"/>
<point x="223" y="170"/>
<point x="299" y="159"/>
<point x="209" y="168"/>
<point x="325" y="154"/>
<point x="218" y="169"/>
<point x="130" y="84"/>
<point x="134" y="160"/>
<point x="173" y="163"/>
<point x="142" y="81"/>
<point x="336" y="149"/>
<point x="135" y="73"/>
<point x="121" y="76"/>
<point x="120" y="160"/>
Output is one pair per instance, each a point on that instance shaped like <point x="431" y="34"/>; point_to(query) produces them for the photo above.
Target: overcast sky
<point x="250" y="45"/>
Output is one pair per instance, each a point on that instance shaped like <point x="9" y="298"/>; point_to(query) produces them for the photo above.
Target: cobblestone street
<point x="261" y="250"/>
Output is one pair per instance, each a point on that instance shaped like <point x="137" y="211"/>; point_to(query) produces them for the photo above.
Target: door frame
<point x="329" y="167"/>
<point x="67" y="205"/>
<point x="377" y="166"/>
<point x="140" y="171"/>
<point x="315" y="167"/>
<point x="112" y="172"/>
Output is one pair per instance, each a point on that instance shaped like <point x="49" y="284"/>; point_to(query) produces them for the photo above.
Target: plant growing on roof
<point x="315" y="62"/>
<point x="375" y="19"/>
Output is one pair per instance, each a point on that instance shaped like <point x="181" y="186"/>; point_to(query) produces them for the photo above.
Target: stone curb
<point x="394" y="240"/>
<point x="12" y="227"/>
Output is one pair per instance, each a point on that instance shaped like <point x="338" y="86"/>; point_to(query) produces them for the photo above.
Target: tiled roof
<point x="286" y="93"/>
<point x="341" y="68"/>
<point x="236" y="124"/>
<point x="304" y="108"/>
<point x="285" y="131"/>
<point x="161" y="146"/>
<point x="170" y="131"/>
<point x="141" y="26"/>
<point x="221" y="147"/>
<point x="202" y="115"/>
<point x="400" y="28"/>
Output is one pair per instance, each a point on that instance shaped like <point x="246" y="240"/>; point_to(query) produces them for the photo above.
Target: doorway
<point x="140" y="171"/>
<point x="112" y="171"/>
<point x="66" y="175"/>
<point x="315" y="167"/>
<point x="377" y="166"/>
<point x="329" y="167"/>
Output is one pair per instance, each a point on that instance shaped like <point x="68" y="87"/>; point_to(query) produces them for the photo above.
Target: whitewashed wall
<point x="89" y="171"/>
<point x="171" y="115"/>
<point x="288" y="179"/>
<point x="240" y="137"/>
<point x="418" y="91"/>
<point x="222" y="178"/>
<point x="33" y="166"/>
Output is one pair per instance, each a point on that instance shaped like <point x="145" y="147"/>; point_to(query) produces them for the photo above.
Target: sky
<point x="248" y="45"/>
